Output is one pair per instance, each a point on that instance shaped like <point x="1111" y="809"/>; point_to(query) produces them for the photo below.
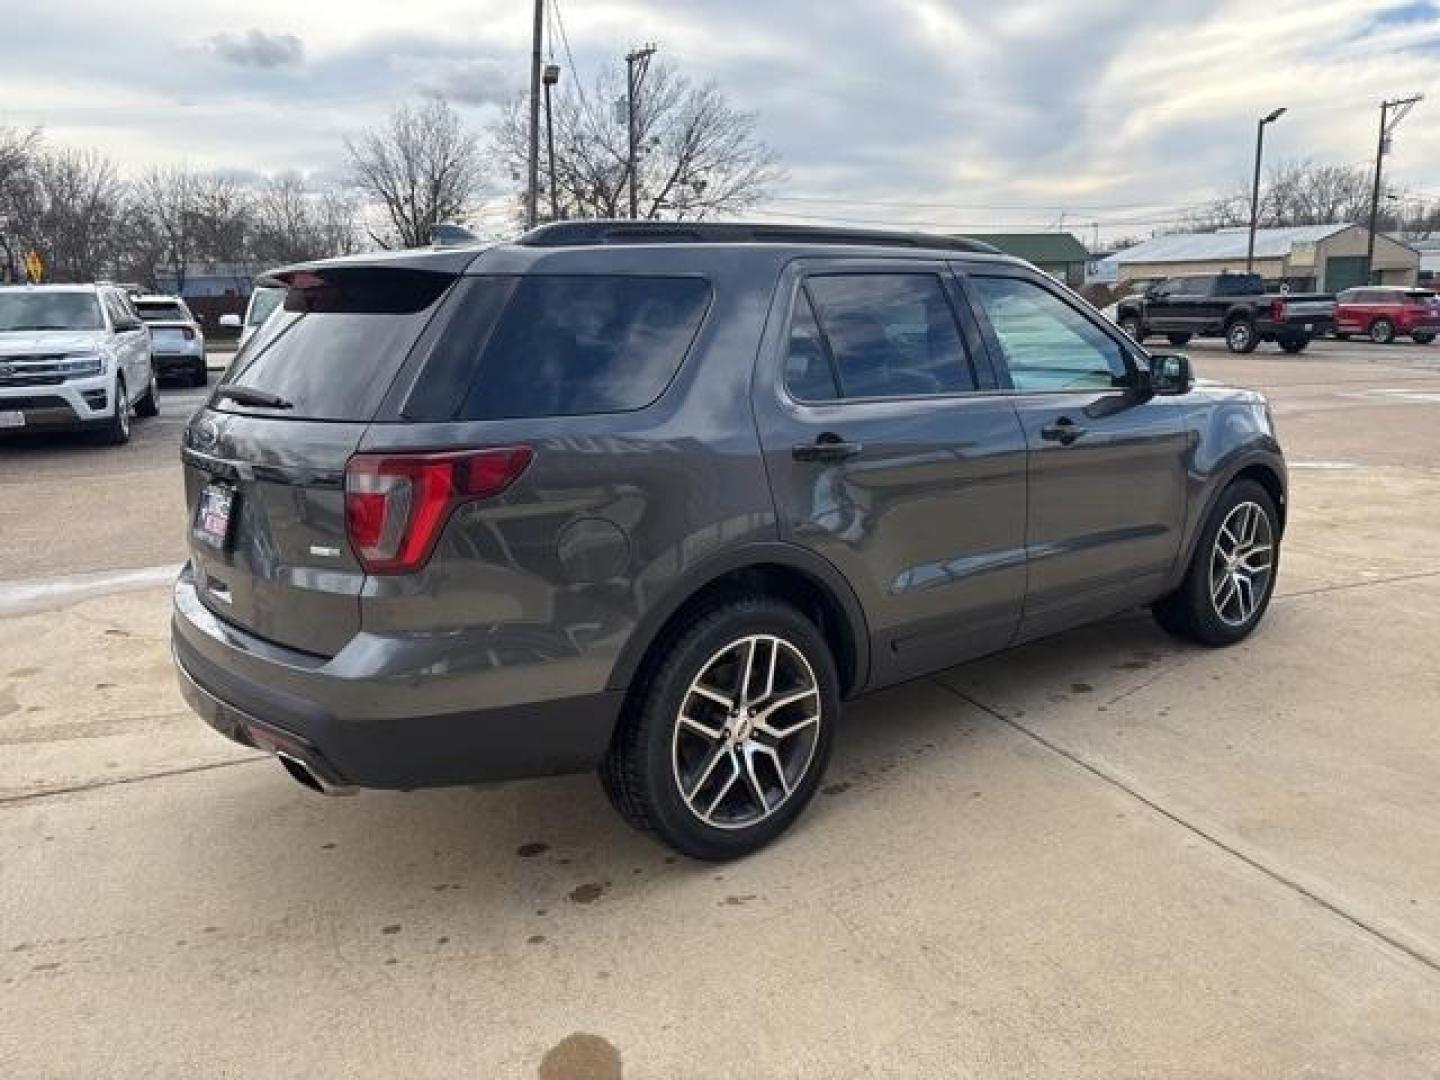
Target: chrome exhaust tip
<point x="303" y="775"/>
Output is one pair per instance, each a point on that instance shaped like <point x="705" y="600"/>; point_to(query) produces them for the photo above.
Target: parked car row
<point x="1237" y="308"/>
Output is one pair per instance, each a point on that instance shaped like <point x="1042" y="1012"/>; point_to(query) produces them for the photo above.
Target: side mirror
<point x="230" y="321"/>
<point x="1170" y="374"/>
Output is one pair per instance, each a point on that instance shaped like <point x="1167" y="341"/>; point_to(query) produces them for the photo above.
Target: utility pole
<point x="532" y="192"/>
<point x="637" y="63"/>
<point x="1255" y="187"/>
<point x="552" y="76"/>
<point x="1388" y="123"/>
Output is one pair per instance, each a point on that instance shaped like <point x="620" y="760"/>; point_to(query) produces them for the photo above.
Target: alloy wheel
<point x="746" y="732"/>
<point x="1241" y="564"/>
<point x="1240" y="336"/>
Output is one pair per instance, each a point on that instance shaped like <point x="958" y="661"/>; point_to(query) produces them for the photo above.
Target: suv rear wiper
<point x="247" y="395"/>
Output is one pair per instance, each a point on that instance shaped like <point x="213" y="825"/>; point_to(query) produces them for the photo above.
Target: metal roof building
<point x="1059" y="254"/>
<point x="1322" y="257"/>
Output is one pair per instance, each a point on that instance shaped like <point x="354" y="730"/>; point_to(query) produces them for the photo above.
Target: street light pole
<point x="636" y="64"/>
<point x="532" y="192"/>
<point x="1387" y="125"/>
<point x="1255" y="187"/>
<point x="552" y="76"/>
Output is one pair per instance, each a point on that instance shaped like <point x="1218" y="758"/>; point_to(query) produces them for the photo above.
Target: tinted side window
<point x="1048" y="345"/>
<point x="891" y="335"/>
<point x="809" y="375"/>
<point x="564" y="345"/>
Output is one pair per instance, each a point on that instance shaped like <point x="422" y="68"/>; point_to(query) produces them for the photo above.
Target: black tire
<point x="1132" y="325"/>
<point x="1179" y="339"/>
<point x="1342" y="337"/>
<point x="1190" y="612"/>
<point x="116" y="430"/>
<point x="149" y="405"/>
<point x="1295" y="345"/>
<point x="1382" y="331"/>
<point x="640" y="772"/>
<point x="1241" y="336"/>
<point x="1422" y="338"/>
<point x="200" y="376"/>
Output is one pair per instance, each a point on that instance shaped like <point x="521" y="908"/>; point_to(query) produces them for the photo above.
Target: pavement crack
<point x="1345" y="585"/>
<point x="50" y="793"/>
<point x="1370" y="930"/>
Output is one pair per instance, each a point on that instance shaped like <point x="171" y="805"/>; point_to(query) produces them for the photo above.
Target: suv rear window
<point x="558" y="345"/>
<point x="335" y="348"/>
<point x="161" y="311"/>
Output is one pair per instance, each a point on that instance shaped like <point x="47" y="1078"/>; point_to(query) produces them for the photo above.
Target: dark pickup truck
<point x="1233" y="306"/>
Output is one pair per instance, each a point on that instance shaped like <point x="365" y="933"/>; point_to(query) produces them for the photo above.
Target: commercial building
<point x="1323" y="258"/>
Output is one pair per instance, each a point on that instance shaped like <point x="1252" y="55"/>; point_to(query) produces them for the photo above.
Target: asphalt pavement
<point x="1106" y="854"/>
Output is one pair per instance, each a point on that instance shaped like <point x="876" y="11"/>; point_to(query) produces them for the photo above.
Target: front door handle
<point x="1064" y="431"/>
<point x="827" y="447"/>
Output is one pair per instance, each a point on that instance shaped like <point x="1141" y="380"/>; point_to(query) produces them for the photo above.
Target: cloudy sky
<point x="964" y="114"/>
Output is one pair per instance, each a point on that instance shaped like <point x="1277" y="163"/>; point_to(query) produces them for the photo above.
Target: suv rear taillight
<point x="397" y="504"/>
<point x="1277" y="310"/>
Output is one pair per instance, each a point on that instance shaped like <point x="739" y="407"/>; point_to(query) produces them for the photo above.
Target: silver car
<point x="73" y="357"/>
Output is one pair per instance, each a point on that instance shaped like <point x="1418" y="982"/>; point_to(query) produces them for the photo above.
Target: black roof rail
<point x="578" y="233"/>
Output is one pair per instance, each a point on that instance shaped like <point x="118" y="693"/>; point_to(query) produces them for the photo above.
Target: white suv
<point x="73" y="356"/>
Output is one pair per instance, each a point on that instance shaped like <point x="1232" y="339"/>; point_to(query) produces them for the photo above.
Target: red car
<point x="1383" y="314"/>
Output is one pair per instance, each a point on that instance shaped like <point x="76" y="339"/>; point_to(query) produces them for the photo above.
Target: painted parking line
<point x="40" y="594"/>
<point x="1324" y="466"/>
<point x="1424" y="397"/>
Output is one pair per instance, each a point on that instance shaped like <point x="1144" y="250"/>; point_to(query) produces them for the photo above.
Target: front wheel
<point x="1240" y="336"/>
<point x="149" y="405"/>
<point x="1382" y="331"/>
<point x="1232" y="573"/>
<point x="1423" y="338"/>
<point x="116" y="430"/>
<point x="729" y="732"/>
<point x="1294" y="345"/>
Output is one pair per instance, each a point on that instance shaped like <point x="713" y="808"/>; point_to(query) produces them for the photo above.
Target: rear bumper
<point x="282" y="701"/>
<point x="1299" y="326"/>
<point x="175" y="363"/>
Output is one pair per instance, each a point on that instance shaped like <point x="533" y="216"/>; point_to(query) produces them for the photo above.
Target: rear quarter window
<point x="558" y="345"/>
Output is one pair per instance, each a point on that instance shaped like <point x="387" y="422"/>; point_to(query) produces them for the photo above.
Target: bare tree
<point x="294" y="223"/>
<point x="421" y="166"/>
<point x="700" y="156"/>
<point x="164" y="198"/>
<point x="69" y="206"/>
<point x="1299" y="192"/>
<point x="17" y="152"/>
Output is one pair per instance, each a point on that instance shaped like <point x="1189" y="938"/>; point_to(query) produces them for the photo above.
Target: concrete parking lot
<point x="1102" y="855"/>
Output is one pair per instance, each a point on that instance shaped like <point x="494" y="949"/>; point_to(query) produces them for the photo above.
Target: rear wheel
<point x="1382" y="331"/>
<point x="1131" y="325"/>
<point x="1240" y="336"/>
<point x="1295" y="344"/>
<point x="729" y="732"/>
<point x="1422" y="338"/>
<point x="1179" y="339"/>
<point x="1232" y="573"/>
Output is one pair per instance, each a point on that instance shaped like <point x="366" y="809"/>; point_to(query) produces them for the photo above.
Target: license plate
<point x="1309" y="327"/>
<point x="213" y="516"/>
<point x="10" y="418"/>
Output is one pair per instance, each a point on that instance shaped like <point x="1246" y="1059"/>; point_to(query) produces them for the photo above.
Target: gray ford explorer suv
<point x="657" y="498"/>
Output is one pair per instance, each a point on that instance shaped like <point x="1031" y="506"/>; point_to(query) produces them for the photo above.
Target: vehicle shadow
<point x="515" y="854"/>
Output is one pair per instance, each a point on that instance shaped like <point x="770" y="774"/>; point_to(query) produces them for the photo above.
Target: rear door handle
<point x="1064" y="431"/>
<point x="827" y="447"/>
